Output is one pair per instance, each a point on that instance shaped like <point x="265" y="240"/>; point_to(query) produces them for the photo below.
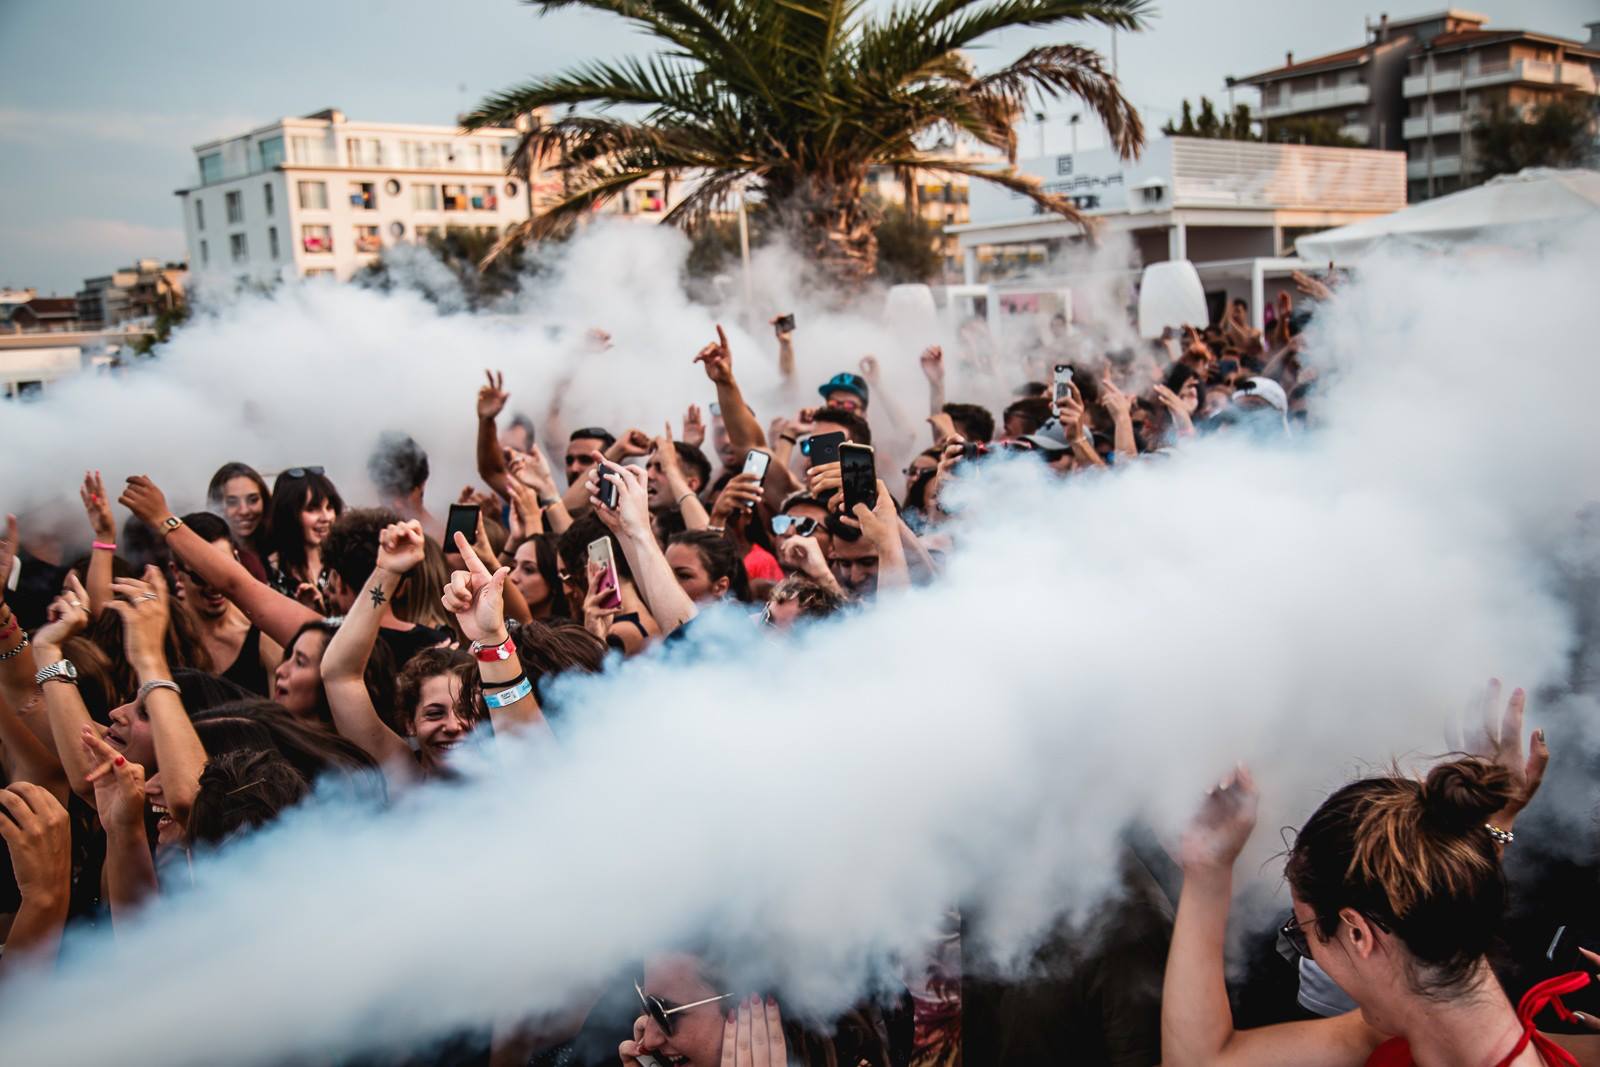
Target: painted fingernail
<point x="120" y="760"/>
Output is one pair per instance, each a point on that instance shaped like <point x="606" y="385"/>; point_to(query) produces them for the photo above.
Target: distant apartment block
<point x="1419" y="84"/>
<point x="133" y="294"/>
<point x="321" y="196"/>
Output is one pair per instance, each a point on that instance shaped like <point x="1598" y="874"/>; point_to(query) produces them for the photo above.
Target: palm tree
<point x="799" y="99"/>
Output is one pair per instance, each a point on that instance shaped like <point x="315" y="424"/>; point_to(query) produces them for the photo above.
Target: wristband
<point x="786" y="437"/>
<point x="105" y="546"/>
<point x="157" y="683"/>
<point x="508" y="696"/>
<point x="678" y="503"/>
<point x="506" y="683"/>
<point x="503" y="650"/>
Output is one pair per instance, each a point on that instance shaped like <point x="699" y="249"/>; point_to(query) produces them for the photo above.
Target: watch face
<point x="68" y="670"/>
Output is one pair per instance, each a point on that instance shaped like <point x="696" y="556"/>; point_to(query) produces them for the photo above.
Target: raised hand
<point x="145" y="499"/>
<point x="869" y="369"/>
<point x="1219" y="830"/>
<point x="753" y="1035"/>
<point x="476" y="597"/>
<point x="1114" y="400"/>
<point x="1069" y="409"/>
<point x="39" y="835"/>
<point x="600" y="603"/>
<point x="401" y="546"/>
<point x="492" y="396"/>
<point x="1179" y="408"/>
<point x="97" y="507"/>
<point x="805" y="555"/>
<point x="631" y="516"/>
<point x="633" y="443"/>
<point x="821" y="479"/>
<point x="67" y="616"/>
<point x="694" y="428"/>
<point x="944" y="427"/>
<point x="742" y="492"/>
<point x="932" y="360"/>
<point x="718" y="359"/>
<point x="1500" y="741"/>
<point x="1310" y="286"/>
<point x="880" y="524"/>
<point x="118" y="785"/>
<point x="144" y="607"/>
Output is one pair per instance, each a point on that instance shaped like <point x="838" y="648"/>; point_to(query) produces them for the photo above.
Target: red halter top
<point x="1396" y="1053"/>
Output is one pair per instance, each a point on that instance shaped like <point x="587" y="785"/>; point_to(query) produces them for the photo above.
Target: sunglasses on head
<point x="301" y="472"/>
<point x="661" y="1014"/>
<point x="802" y="527"/>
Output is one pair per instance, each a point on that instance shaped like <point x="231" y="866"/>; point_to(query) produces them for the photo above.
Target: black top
<point x="246" y="670"/>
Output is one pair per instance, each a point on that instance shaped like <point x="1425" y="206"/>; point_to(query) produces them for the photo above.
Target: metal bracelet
<point x="156" y="683"/>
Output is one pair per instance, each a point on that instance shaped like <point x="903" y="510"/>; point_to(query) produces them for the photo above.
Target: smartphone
<point x="823" y="448"/>
<point x="783" y="325"/>
<point x="858" y="472"/>
<point x="608" y="490"/>
<point x="1063" y="380"/>
<point x="973" y="449"/>
<point x="600" y="555"/>
<point x="647" y="1060"/>
<point x="463" y="520"/>
<point x="756" y="462"/>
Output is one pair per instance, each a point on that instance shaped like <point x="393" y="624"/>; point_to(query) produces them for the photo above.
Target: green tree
<point x="1555" y="135"/>
<point x="1235" y="127"/>
<point x="1309" y="129"/>
<point x="908" y="247"/>
<point x="798" y="99"/>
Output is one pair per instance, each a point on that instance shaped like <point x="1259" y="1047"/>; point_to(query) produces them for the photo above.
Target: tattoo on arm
<point x="376" y="593"/>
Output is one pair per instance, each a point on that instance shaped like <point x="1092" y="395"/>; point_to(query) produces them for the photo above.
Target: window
<point x="304" y="149"/>
<point x="392" y="187"/>
<point x="397" y="229"/>
<point x="266" y="195"/>
<point x="205" y="254"/>
<point x="319" y="272"/>
<point x="211" y="168"/>
<point x="364" y="196"/>
<point x="455" y="198"/>
<point x="314" y="195"/>
<point x="316" y="238"/>
<point x="649" y="201"/>
<point x="483" y="198"/>
<point x="236" y="248"/>
<point x="270" y="152"/>
<point x="199" y="214"/>
<point x="234" y="207"/>
<point x="272" y="241"/>
<point x="368" y="239"/>
<point x="471" y="156"/>
<point x="425" y="197"/>
<point x="364" y="151"/>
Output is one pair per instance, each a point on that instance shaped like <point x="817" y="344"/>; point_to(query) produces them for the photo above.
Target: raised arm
<point x="880" y="525"/>
<point x="932" y="360"/>
<point x="119" y="799"/>
<point x="145" y="608"/>
<point x="401" y="547"/>
<point x="684" y="498"/>
<point x="474" y="597"/>
<point x="1120" y="407"/>
<point x="97" y="506"/>
<point x="785" y="347"/>
<point x="17" y="689"/>
<point x="63" y="704"/>
<point x="38" y="835"/>
<point x="279" y="617"/>
<point x="1069" y="409"/>
<point x="492" y="399"/>
<point x="669" y="605"/>
<point x="1196" y="1019"/>
<point x="744" y="431"/>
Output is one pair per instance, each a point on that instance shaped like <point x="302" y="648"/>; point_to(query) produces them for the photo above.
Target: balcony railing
<point x="1315" y="100"/>
<point x="1443" y="122"/>
<point x="1537" y="71"/>
<point x="1443" y="167"/>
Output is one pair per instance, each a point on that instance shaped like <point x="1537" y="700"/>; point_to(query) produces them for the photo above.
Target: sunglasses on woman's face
<point x="662" y="1015"/>
<point x="301" y="472"/>
<point x="783" y="524"/>
<point x="1292" y="935"/>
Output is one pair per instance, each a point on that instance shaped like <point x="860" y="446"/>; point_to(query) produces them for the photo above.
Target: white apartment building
<point x="320" y="196"/>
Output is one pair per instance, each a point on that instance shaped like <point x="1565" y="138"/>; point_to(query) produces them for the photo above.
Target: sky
<point x="102" y="102"/>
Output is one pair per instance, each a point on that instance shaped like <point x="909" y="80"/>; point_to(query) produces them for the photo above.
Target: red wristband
<point x="105" y="546"/>
<point x="494" y="653"/>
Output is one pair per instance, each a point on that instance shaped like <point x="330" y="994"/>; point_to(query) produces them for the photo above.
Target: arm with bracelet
<point x="278" y="616"/>
<point x="475" y="597"/>
<point x="145" y="608"/>
<point x="56" y="682"/>
<point x="98" y="507"/>
<point x="344" y="663"/>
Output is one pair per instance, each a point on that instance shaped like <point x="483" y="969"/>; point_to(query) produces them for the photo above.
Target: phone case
<point x="600" y="555"/>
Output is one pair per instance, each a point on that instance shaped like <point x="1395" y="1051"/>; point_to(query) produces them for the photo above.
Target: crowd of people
<point x="174" y="682"/>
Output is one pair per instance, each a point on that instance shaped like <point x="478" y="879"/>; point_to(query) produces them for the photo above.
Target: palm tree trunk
<point x="837" y="232"/>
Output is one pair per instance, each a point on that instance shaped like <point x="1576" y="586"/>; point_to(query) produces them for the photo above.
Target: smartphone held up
<point x="858" y="476"/>
<point x="603" y="564"/>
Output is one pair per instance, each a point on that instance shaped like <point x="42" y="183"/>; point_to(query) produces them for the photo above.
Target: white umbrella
<point x="1514" y="207"/>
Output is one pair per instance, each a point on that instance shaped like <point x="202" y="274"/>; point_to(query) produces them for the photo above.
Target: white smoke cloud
<point x="1097" y="651"/>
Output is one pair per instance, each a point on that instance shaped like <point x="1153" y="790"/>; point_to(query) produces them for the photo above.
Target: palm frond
<point x="1027" y="185"/>
<point x="1056" y="70"/>
<point x="562" y="215"/>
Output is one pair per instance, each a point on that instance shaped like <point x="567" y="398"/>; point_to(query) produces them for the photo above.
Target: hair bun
<point x="1462" y="794"/>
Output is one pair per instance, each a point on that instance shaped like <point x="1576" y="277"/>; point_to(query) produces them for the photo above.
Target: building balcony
<point x="1529" y="71"/>
<point x="1443" y="122"/>
<point x="1443" y="167"/>
<point x="1288" y="103"/>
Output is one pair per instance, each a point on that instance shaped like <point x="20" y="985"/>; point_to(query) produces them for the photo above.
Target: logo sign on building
<point x="1094" y="182"/>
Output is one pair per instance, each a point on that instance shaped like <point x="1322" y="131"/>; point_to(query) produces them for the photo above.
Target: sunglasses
<point x="1293" y="941"/>
<point x="802" y="527"/>
<point x="662" y="1015"/>
<point x="301" y="472"/>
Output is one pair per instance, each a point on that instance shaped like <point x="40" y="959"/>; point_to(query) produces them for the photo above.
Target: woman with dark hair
<point x="240" y="496"/>
<point x="536" y="572"/>
<point x="707" y="567"/>
<point x="297" y="684"/>
<point x="237" y="648"/>
<point x="1398" y="895"/>
<point x="304" y="507"/>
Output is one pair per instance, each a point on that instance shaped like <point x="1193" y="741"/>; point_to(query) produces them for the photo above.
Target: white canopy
<point x="1515" y="208"/>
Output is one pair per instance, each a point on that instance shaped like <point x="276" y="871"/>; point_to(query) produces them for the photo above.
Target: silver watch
<point x="61" y="670"/>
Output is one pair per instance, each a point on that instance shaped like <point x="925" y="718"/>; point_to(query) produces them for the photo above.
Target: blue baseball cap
<point x="847" y="383"/>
